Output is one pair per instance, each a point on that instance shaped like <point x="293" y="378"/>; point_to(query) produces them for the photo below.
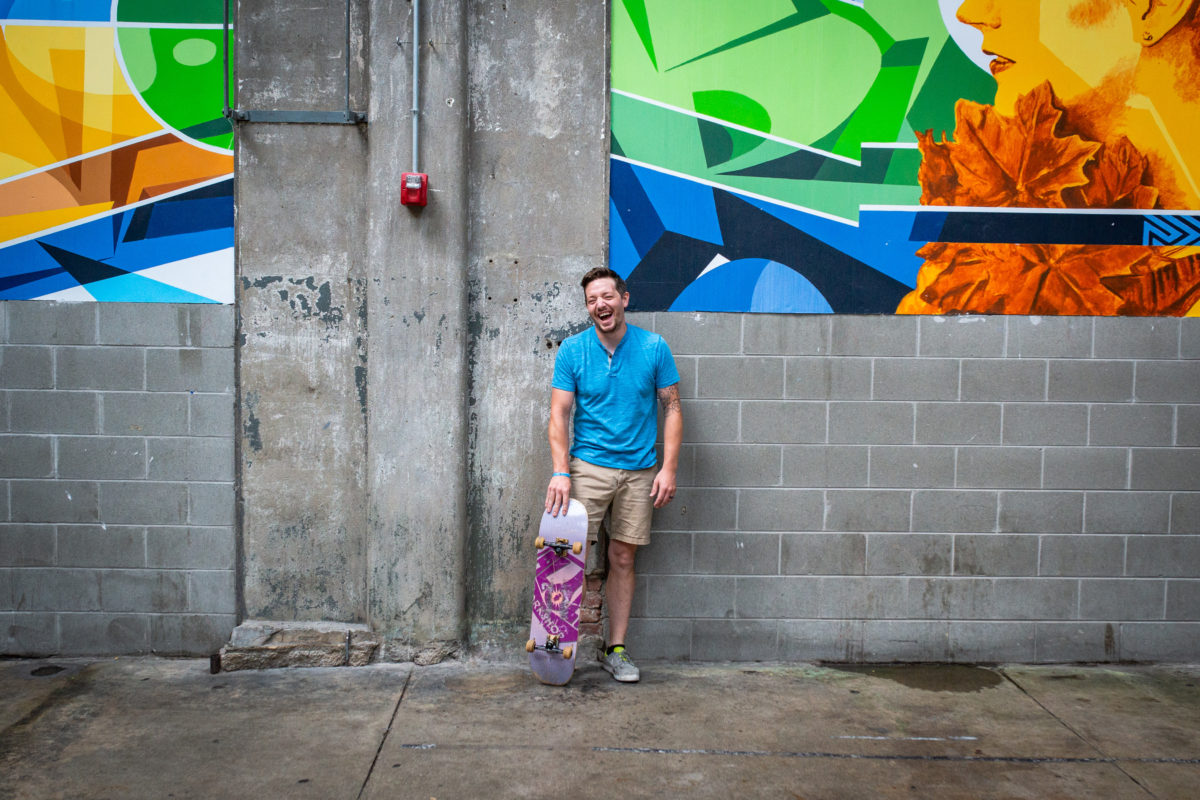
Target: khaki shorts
<point x="626" y="491"/>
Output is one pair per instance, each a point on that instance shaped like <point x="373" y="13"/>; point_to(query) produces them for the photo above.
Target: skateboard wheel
<point x="577" y="548"/>
<point x="530" y="646"/>
<point x="539" y="542"/>
<point x="567" y="651"/>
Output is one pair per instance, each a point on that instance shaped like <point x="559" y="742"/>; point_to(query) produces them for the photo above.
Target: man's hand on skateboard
<point x="558" y="495"/>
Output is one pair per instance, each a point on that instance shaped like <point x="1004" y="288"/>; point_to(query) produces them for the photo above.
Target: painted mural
<point x="907" y="156"/>
<point x="116" y="164"/>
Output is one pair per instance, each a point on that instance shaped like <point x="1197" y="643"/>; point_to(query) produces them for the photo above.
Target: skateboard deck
<point x="557" y="594"/>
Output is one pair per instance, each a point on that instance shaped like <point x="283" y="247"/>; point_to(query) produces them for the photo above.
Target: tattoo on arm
<point x="668" y="398"/>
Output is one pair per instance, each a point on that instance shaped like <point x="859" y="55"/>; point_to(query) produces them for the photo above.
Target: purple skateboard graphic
<point x="557" y="594"/>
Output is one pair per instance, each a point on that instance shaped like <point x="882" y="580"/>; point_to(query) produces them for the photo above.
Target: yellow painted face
<point x="1074" y="44"/>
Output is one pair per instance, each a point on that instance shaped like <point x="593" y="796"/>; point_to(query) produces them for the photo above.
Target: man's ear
<point x="1154" y="19"/>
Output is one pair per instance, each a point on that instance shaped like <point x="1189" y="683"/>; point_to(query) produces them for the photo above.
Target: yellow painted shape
<point x="17" y="225"/>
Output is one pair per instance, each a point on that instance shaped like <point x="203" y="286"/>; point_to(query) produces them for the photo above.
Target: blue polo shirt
<point x="616" y="422"/>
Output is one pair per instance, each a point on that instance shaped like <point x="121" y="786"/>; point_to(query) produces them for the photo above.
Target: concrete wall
<point x="116" y="478"/>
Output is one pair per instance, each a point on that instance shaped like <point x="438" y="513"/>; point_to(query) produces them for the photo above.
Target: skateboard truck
<point x="551" y="646"/>
<point x="559" y="545"/>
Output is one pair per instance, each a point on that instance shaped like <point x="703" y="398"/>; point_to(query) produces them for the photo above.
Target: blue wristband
<point x="562" y="474"/>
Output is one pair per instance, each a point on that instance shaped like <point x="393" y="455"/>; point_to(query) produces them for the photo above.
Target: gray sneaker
<point x="621" y="666"/>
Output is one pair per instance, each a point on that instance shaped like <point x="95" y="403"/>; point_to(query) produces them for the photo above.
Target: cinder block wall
<point x="948" y="489"/>
<point x="116" y="478"/>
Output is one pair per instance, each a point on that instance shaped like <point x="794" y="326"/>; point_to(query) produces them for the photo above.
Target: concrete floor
<point x="156" y="728"/>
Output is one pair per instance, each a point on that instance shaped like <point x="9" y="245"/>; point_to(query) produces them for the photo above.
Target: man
<point x="611" y="374"/>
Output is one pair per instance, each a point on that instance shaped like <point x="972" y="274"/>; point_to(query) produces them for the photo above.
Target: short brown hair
<point x="604" y="272"/>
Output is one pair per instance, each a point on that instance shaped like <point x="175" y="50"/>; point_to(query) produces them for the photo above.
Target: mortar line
<point x="1105" y="756"/>
<point x="386" y="731"/>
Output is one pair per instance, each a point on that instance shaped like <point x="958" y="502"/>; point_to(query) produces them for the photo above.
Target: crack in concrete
<point x="386" y="731"/>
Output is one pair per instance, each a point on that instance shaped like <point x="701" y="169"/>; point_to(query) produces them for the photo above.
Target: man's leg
<point x="619" y="588"/>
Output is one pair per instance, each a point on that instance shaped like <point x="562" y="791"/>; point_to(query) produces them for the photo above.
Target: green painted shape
<point x="138" y="54"/>
<point x="907" y="53"/>
<point x="732" y="107"/>
<point x="788" y="22"/>
<point x="716" y="141"/>
<point x="636" y="9"/>
<point x="171" y="11"/>
<point x="683" y="30"/>
<point x="953" y="76"/>
<point x="903" y="167"/>
<point x="881" y="113"/>
<point x="859" y="16"/>
<point x="194" y="52"/>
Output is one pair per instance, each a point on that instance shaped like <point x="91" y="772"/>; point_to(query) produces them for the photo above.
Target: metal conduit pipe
<point x="416" y="71"/>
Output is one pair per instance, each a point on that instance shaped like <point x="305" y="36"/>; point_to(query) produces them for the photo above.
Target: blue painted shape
<point x="633" y="206"/>
<point x="188" y="216"/>
<point x="729" y="287"/>
<point x="782" y="290"/>
<point x="140" y="289"/>
<point x="147" y="253"/>
<point x="927" y="226"/>
<point x="685" y="207"/>
<point x="1173" y="230"/>
<point x="25" y="257"/>
<point x="623" y="256"/>
<point x="63" y="10"/>
<point x="40" y="288"/>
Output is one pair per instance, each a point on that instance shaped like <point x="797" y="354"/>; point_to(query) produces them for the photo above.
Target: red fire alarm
<point x="414" y="189"/>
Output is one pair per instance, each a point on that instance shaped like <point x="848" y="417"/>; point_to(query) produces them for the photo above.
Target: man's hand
<point x="558" y="495"/>
<point x="663" y="490"/>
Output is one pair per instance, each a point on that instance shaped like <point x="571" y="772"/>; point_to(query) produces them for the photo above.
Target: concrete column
<point x="417" y="377"/>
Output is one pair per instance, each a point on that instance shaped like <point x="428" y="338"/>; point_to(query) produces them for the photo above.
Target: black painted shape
<point x="83" y="269"/>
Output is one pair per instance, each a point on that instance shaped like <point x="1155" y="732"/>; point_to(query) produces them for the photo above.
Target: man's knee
<point x="621" y="555"/>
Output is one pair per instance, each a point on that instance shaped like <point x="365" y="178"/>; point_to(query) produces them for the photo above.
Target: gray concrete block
<point x="781" y="510"/>
<point x="26" y="367"/>
<point x="1185" y="513"/>
<point x="999" y="468"/>
<point x="690" y="596"/>
<point x="1049" y="337"/>
<point x="54" y="501"/>
<point x="958" y="423"/>
<point x="153" y="324"/>
<point x="905" y="640"/>
<point x="210" y="325"/>
<point x="1136" y="337"/>
<point x="1175" y="469"/>
<point x="26" y="456"/>
<point x="1183" y="600"/>
<point x="938" y="511"/>
<point x="1187" y="427"/>
<point x="828" y="378"/>
<point x="102" y="457"/>
<point x="1085" y="468"/>
<point x="871" y="423"/>
<point x="703" y="420"/>
<point x="669" y="553"/>
<point x="992" y="598"/>
<point x="688" y="367"/>
<point x="1045" y="423"/>
<point x="52" y="412"/>
<point x="1126" y="512"/>
<point x="993" y="379"/>
<point x="873" y="336"/>
<point x="213" y="504"/>
<point x="819" y="466"/>
<point x="695" y="510"/>
<point x="660" y="639"/>
<point x="1162" y="556"/>
<point x="45" y="322"/>
<point x="144" y="590"/>
<point x="4" y="504"/>
<point x="966" y="335"/>
<point x="1111" y="600"/>
<point x="1090" y="381"/>
<point x="823" y="554"/>
<point x="1059" y="642"/>
<point x="736" y="554"/>
<point x="146" y="413"/>
<point x="1168" y="382"/>
<point x="1189" y="337"/>
<point x="29" y="635"/>
<point x="1160" y="641"/>
<point x="748" y="378"/>
<point x="143" y="503"/>
<point x="190" y="634"/>
<point x="100" y="368"/>
<point x="189" y="369"/>
<point x="96" y="546"/>
<point x="104" y="634"/>
<point x="741" y="640"/>
<point x="700" y="334"/>
<point x="785" y="334"/>
<point x="915" y="379"/>
<point x="211" y="591"/>
<point x="783" y="421"/>
<point x="1072" y="555"/>
<point x="26" y="546"/>
<point x="738" y="465"/>
<point x="996" y="555"/>
<point x="829" y="640"/>
<point x="1041" y="512"/>
<point x="1140" y="424"/>
<point x="992" y="642"/>
<point x="195" y="459"/>
<point x="909" y="554"/>
<point x="55" y="589"/>
<point x="777" y="598"/>
<point x="908" y="466"/>
<point x="867" y="510"/>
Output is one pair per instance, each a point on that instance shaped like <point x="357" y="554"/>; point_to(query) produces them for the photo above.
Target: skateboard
<point x="557" y="594"/>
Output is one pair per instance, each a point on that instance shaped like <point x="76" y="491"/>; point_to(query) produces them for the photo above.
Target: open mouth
<point x="998" y="63"/>
<point x="604" y="316"/>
